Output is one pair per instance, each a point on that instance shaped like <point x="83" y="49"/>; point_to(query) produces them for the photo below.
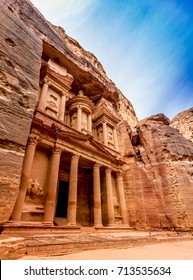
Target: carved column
<point x="109" y="190"/>
<point x="43" y="96"/>
<point x="26" y="172"/>
<point x="72" y="196"/>
<point x="120" y="189"/>
<point x="97" y="196"/>
<point x="105" y="139"/>
<point x="62" y="108"/>
<point x="52" y="186"/>
<point x="90" y="122"/>
<point x="115" y="138"/>
<point x="79" y="118"/>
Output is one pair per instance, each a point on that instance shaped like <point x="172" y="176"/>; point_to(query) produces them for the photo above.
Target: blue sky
<point x="145" y="46"/>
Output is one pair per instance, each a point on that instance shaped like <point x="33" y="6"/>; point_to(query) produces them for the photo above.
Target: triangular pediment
<point x="103" y="112"/>
<point x="86" y="142"/>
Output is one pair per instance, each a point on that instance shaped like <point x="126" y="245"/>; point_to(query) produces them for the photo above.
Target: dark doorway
<point x="62" y="202"/>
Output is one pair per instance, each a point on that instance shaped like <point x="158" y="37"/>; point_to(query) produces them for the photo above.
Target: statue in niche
<point x="100" y="134"/>
<point x="110" y="136"/>
<point x="84" y="122"/>
<point x="34" y="189"/>
<point x="52" y="102"/>
<point x="73" y="121"/>
<point x="116" y="204"/>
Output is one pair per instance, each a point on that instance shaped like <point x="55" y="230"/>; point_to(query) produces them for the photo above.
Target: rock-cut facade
<point x="73" y="153"/>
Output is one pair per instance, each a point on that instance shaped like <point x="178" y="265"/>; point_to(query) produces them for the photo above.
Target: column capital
<point x="79" y="106"/>
<point x="63" y="93"/>
<point x="96" y="165"/>
<point x="108" y="169"/>
<point x="46" y="81"/>
<point x="33" y="139"/>
<point x="57" y="150"/>
<point x="119" y="173"/>
<point x="75" y="156"/>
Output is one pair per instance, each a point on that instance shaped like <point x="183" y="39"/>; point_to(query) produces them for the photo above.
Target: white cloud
<point x="56" y="10"/>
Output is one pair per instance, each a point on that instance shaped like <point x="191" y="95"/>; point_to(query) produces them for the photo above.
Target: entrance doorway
<point x="62" y="202"/>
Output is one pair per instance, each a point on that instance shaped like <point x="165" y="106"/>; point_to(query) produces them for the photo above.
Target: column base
<point x="111" y="225"/>
<point x="125" y="225"/>
<point x="98" y="226"/>
<point x="15" y="222"/>
<point x="71" y="225"/>
<point x="48" y="223"/>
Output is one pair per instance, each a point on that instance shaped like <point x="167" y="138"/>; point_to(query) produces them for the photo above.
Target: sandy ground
<point x="181" y="250"/>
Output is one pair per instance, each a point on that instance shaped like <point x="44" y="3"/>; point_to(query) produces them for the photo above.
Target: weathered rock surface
<point x="160" y="183"/>
<point x="19" y="73"/>
<point x="184" y="123"/>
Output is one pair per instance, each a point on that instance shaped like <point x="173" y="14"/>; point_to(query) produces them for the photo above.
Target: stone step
<point x="29" y="229"/>
<point x="88" y="229"/>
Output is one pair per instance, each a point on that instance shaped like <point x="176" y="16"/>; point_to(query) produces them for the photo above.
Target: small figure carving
<point x="116" y="204"/>
<point x="110" y="136"/>
<point x="84" y="122"/>
<point x="52" y="104"/>
<point x="100" y="134"/>
<point x="34" y="189"/>
<point x="73" y="121"/>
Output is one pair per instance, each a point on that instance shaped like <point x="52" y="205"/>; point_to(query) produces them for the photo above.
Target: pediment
<point x="86" y="142"/>
<point x="104" y="112"/>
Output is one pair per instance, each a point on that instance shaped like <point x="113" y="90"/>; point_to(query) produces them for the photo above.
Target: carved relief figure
<point x="73" y="121"/>
<point x="84" y="122"/>
<point x="53" y="102"/>
<point x="100" y="134"/>
<point x="116" y="204"/>
<point x="110" y="136"/>
<point x="34" y="189"/>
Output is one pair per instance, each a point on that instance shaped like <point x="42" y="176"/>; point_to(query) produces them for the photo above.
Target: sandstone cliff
<point x="20" y="55"/>
<point x="184" y="123"/>
<point x="160" y="182"/>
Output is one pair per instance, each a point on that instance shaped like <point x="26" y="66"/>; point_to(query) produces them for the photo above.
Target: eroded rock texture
<point x="19" y="71"/>
<point x="184" y="123"/>
<point x="160" y="183"/>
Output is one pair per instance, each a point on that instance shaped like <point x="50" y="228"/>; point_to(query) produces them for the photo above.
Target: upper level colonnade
<point x="79" y="112"/>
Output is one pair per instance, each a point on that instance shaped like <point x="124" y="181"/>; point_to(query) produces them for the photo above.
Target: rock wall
<point x="20" y="54"/>
<point x="184" y="123"/>
<point x="161" y="179"/>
